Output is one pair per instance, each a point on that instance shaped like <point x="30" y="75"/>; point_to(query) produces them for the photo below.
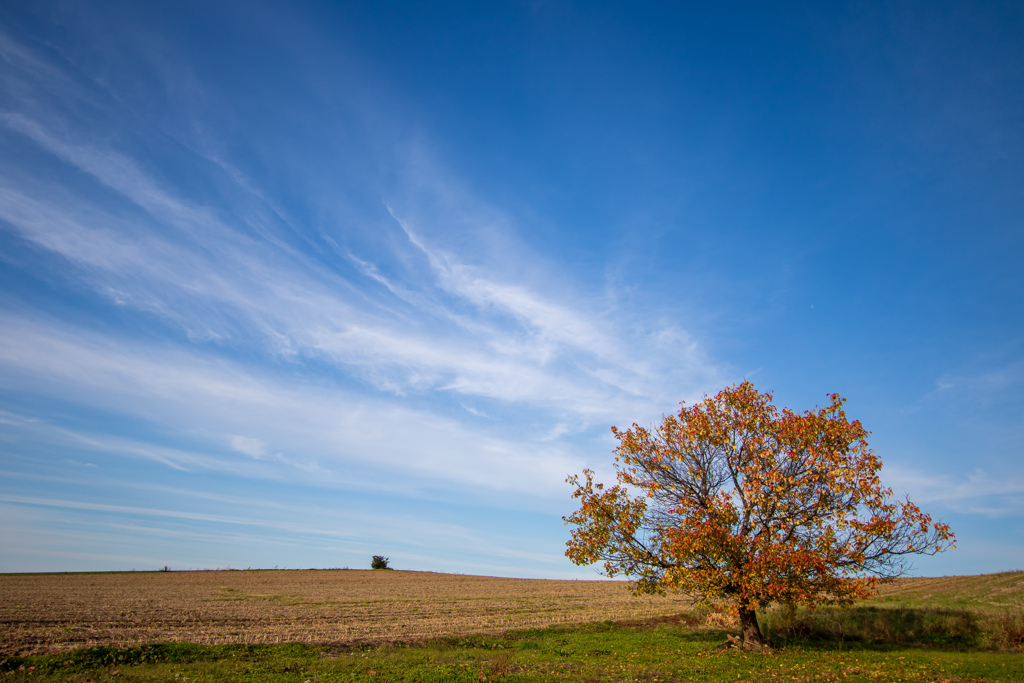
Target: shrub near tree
<point x="735" y="499"/>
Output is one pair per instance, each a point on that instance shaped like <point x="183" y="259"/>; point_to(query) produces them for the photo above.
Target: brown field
<point x="55" y="612"/>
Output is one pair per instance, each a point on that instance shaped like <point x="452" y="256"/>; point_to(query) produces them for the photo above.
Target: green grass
<point x="660" y="650"/>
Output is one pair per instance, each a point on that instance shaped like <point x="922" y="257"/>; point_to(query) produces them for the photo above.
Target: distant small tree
<point x="379" y="562"/>
<point x="743" y="502"/>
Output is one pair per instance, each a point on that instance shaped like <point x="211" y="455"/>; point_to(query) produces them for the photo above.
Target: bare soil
<point x="42" y="613"/>
<point x="57" y="612"/>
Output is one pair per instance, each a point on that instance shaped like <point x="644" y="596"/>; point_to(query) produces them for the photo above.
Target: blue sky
<point x="294" y="284"/>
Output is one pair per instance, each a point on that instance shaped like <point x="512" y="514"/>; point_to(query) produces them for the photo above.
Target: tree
<point x="379" y="562"/>
<point x="733" y="499"/>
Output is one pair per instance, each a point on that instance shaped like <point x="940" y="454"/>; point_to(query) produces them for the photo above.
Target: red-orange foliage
<point x="733" y="498"/>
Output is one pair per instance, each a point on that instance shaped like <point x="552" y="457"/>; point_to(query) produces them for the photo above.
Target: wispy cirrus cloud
<point x="187" y="266"/>
<point x="319" y="429"/>
<point x="977" y="492"/>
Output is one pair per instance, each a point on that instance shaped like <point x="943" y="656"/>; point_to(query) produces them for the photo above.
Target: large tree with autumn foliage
<point x="733" y="499"/>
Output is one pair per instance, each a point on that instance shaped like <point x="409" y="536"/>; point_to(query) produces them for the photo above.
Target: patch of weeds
<point x="1009" y="630"/>
<point x="106" y="656"/>
<point x="935" y="627"/>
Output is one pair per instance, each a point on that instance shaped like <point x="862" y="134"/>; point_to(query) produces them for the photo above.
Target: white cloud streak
<point x="318" y="429"/>
<point x="186" y="266"/>
<point x="978" y="492"/>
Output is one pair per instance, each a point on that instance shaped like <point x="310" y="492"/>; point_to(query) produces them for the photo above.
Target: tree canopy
<point x="735" y="499"/>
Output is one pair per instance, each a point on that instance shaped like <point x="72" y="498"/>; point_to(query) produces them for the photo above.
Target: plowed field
<point x="54" y="612"/>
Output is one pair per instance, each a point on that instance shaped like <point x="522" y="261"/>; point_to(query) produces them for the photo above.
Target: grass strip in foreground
<point x="593" y="652"/>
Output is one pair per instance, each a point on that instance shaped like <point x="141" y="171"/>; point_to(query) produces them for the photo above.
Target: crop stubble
<point x="57" y="612"/>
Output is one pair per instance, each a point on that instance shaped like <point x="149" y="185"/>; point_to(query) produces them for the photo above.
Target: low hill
<point x="987" y="592"/>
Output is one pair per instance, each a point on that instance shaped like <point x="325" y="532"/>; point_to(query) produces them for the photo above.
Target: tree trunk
<point x="751" y="631"/>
